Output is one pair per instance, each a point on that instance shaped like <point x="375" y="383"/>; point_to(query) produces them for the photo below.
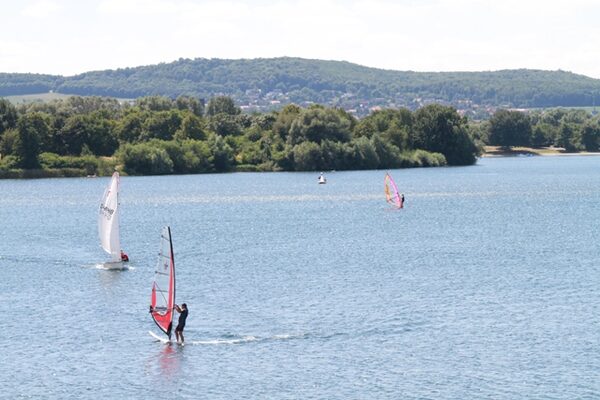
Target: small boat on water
<point x="322" y="179"/>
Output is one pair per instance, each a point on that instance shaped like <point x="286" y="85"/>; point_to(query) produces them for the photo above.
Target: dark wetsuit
<point x="182" y="318"/>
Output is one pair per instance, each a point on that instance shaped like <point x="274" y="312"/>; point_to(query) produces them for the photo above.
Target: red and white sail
<point x="108" y="220"/>
<point x="162" y="299"/>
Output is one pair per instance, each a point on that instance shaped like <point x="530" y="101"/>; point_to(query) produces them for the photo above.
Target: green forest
<point x="157" y="135"/>
<point x="80" y="136"/>
<point x="571" y="130"/>
<point x="264" y="83"/>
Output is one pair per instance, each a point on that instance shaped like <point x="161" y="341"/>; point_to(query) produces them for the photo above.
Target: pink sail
<point x="162" y="299"/>
<point x="392" y="195"/>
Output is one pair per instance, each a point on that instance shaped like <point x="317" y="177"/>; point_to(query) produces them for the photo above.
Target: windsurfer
<point x="402" y="201"/>
<point x="124" y="257"/>
<point x="183" y="313"/>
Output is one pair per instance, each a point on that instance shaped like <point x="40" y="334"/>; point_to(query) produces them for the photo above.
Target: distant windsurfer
<point x="183" y="313"/>
<point x="402" y="201"/>
<point x="124" y="257"/>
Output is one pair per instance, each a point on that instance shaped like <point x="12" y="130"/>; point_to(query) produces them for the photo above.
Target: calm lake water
<point x="487" y="285"/>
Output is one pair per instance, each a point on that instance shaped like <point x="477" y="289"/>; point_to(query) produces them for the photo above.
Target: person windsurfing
<point x="183" y="313"/>
<point x="124" y="257"/>
<point x="402" y="201"/>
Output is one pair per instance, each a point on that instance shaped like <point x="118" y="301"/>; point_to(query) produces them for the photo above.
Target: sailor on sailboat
<point x="108" y="225"/>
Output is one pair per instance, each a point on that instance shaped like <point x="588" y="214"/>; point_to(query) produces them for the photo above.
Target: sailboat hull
<point x="114" y="265"/>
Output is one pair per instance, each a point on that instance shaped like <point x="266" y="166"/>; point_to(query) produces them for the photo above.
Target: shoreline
<point x="489" y="152"/>
<point x="498" y="151"/>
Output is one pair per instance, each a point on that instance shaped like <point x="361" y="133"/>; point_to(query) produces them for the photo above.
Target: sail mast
<point x="162" y="298"/>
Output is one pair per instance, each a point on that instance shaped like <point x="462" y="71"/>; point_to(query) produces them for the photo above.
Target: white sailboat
<point x="108" y="224"/>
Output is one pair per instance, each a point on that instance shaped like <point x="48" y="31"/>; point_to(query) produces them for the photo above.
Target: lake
<point x="486" y="285"/>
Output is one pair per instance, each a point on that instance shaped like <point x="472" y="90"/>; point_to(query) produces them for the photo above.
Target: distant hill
<point x="264" y="83"/>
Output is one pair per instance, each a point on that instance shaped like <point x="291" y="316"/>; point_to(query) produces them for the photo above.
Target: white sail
<point x="108" y="220"/>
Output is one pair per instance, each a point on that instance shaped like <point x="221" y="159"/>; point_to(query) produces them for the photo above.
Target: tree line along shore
<point x="155" y="135"/>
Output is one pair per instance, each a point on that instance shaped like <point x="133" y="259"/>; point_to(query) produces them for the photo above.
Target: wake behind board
<point x="113" y="266"/>
<point x="159" y="338"/>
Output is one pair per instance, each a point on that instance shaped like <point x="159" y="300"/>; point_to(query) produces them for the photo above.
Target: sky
<point x="73" y="36"/>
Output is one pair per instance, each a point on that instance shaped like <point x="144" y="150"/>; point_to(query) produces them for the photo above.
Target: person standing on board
<point x="183" y="313"/>
<point x="402" y="201"/>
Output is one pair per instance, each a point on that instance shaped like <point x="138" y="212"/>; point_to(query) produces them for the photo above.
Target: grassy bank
<point x="55" y="166"/>
<point x="42" y="173"/>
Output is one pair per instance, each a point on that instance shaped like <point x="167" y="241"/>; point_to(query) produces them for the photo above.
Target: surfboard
<point x="160" y="339"/>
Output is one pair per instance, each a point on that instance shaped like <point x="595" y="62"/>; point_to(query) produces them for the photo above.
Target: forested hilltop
<point x="265" y="84"/>
<point x="157" y="135"/>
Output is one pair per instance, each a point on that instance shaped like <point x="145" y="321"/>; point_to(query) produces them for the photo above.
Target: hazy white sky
<point x="71" y="36"/>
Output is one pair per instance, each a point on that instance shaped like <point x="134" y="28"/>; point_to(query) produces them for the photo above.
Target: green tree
<point x="567" y="136"/>
<point x="87" y="105"/>
<point x="366" y="127"/>
<point x="509" y="128"/>
<point x="192" y="104"/>
<point x="307" y="156"/>
<point x="317" y="124"/>
<point x="154" y="103"/>
<point x="393" y="125"/>
<point x="90" y="131"/>
<point x="225" y="125"/>
<point x="590" y="136"/>
<point x="284" y="120"/>
<point x="197" y="156"/>
<point x="336" y="155"/>
<point x="387" y="153"/>
<point x="366" y="153"/>
<point x="31" y="129"/>
<point x="145" y="159"/>
<point x="264" y="122"/>
<point x="441" y="129"/>
<point x="101" y="139"/>
<point x="7" y="142"/>
<point x="129" y="129"/>
<point x="222" y="156"/>
<point x="222" y="105"/>
<point x="543" y="134"/>
<point x="8" y="115"/>
<point x="284" y="158"/>
<point x="161" y="125"/>
<point x="191" y="128"/>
